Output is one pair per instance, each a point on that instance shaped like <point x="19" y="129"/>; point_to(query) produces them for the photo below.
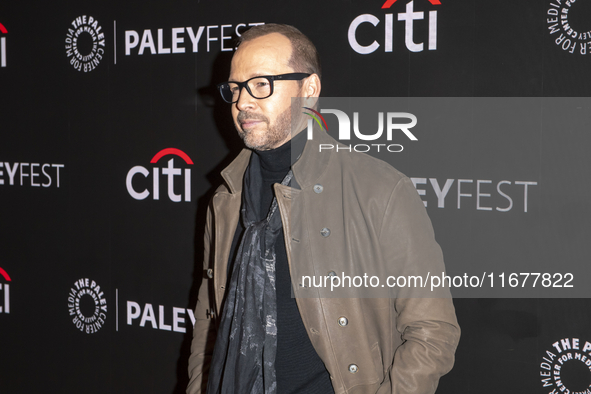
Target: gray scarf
<point x="244" y="353"/>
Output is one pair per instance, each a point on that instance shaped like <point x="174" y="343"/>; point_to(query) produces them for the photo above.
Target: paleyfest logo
<point x="390" y="118"/>
<point x="184" y="39"/>
<point x="85" y="43"/>
<point x="563" y="19"/>
<point x="566" y="367"/>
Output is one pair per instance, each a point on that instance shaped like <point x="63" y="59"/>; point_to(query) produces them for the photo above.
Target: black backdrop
<point x="69" y="139"/>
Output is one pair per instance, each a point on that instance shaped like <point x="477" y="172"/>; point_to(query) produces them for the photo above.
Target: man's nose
<point x="245" y="100"/>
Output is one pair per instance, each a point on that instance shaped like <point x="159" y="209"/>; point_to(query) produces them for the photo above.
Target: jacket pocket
<point x="376" y="352"/>
<point x="364" y="372"/>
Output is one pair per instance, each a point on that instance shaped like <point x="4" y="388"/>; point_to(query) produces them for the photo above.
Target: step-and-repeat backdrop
<point x="113" y="137"/>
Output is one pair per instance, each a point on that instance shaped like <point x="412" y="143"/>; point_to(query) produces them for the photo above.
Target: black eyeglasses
<point x="258" y="87"/>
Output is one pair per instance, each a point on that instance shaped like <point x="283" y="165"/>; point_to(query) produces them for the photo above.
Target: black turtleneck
<point x="298" y="367"/>
<point x="275" y="163"/>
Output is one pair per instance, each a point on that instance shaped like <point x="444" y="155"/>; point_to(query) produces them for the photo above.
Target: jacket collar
<point x="309" y="167"/>
<point x="312" y="164"/>
<point x="234" y="173"/>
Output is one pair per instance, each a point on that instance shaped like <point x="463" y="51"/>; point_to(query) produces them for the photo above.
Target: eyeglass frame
<point x="270" y="78"/>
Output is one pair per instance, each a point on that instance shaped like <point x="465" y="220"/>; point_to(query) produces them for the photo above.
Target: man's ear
<point x="312" y="86"/>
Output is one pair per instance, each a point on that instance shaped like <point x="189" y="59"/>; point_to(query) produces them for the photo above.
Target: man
<point x="286" y="211"/>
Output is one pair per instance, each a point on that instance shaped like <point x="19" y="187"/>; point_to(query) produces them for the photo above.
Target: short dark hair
<point x="304" y="56"/>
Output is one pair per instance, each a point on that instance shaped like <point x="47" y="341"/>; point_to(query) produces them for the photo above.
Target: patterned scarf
<point x="244" y="353"/>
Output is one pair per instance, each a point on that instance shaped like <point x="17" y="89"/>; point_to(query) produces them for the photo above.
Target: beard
<point x="265" y="139"/>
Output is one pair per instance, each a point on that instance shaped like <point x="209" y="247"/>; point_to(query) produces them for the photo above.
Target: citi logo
<point x="408" y="17"/>
<point x="137" y="187"/>
<point x="3" y="46"/>
<point x="5" y="288"/>
<point x="345" y="129"/>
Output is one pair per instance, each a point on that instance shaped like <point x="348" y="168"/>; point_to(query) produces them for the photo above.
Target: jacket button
<point x="325" y="232"/>
<point x="210" y="273"/>
<point x="353" y="368"/>
<point x="318" y="188"/>
<point x="343" y="321"/>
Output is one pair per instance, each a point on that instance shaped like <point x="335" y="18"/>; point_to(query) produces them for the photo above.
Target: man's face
<point x="264" y="123"/>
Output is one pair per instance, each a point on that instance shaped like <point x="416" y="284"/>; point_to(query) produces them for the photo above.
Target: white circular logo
<point x="85" y="43"/>
<point x="87" y="305"/>
<point x="566" y="367"/>
<point x="567" y="21"/>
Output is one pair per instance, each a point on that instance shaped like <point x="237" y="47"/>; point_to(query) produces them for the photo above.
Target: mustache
<point x="244" y="115"/>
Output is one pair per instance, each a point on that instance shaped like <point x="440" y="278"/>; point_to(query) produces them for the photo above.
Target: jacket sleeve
<point x="204" y="331"/>
<point x="425" y="319"/>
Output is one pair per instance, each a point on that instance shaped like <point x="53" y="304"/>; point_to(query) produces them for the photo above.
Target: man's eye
<point x="262" y="84"/>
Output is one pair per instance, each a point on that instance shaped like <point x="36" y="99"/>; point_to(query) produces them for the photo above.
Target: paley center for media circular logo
<point x="85" y="43"/>
<point x="569" y="23"/>
<point x="87" y="305"/>
<point x="566" y="367"/>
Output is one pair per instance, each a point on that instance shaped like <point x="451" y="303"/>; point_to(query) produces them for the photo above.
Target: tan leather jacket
<point x="402" y="343"/>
